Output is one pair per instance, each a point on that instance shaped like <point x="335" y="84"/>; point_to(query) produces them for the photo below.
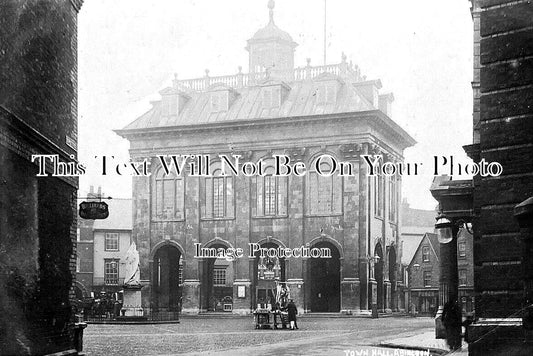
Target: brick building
<point x="274" y="109"/>
<point x="38" y="115"/>
<point x="424" y="274"/>
<point x="503" y="133"/>
<point x="111" y="241"/>
<point x="414" y="224"/>
<point x="102" y="247"/>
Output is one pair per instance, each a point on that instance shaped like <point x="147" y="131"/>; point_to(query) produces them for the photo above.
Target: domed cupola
<point x="272" y="49"/>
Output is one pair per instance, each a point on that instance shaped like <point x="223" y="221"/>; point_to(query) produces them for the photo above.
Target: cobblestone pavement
<point x="237" y="336"/>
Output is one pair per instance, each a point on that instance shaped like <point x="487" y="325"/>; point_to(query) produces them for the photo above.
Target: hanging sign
<point x="94" y="210"/>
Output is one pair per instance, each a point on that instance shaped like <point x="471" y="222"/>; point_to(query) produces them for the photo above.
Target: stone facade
<point x="302" y="113"/>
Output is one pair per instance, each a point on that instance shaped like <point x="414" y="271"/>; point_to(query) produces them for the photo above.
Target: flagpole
<point x="325" y="19"/>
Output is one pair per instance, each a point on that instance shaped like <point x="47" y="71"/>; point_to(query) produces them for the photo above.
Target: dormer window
<point x="219" y="101"/>
<point x="172" y="101"/>
<point x="170" y="105"/>
<point x="271" y="97"/>
<point x="326" y="94"/>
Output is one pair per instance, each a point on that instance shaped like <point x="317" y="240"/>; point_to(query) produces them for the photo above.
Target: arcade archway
<point x="166" y="279"/>
<point x="324" y="276"/>
<point x="217" y="282"/>
<point x="268" y="273"/>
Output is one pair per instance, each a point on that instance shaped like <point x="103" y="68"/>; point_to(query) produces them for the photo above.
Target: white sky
<point x="420" y="49"/>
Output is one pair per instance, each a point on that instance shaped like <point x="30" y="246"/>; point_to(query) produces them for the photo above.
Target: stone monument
<point x="131" y="307"/>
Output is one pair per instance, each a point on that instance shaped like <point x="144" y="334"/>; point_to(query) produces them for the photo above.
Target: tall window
<point x="270" y="194"/>
<point x="218" y="196"/>
<point x="219" y="276"/>
<point x="462" y="277"/>
<point x="393" y="198"/>
<point x="168" y="197"/>
<point x="378" y="195"/>
<point x="324" y="194"/>
<point x="111" y="241"/>
<point x="427" y="278"/>
<point x="425" y="253"/>
<point x="461" y="248"/>
<point x="111" y="271"/>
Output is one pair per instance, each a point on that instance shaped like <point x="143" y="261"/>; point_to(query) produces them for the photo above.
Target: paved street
<point x="237" y="336"/>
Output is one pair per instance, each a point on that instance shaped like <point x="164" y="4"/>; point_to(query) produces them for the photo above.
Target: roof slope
<point x="299" y="101"/>
<point x="433" y="243"/>
<point x="409" y="246"/>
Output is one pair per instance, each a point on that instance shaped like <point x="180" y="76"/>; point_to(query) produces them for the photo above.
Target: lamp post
<point x="448" y="318"/>
<point x="414" y="268"/>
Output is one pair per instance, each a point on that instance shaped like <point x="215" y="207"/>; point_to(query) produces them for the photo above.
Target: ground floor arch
<point x="268" y="273"/>
<point x="167" y="279"/>
<point x="216" y="291"/>
<point x="324" y="278"/>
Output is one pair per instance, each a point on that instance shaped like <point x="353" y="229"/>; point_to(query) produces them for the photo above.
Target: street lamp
<point x="443" y="226"/>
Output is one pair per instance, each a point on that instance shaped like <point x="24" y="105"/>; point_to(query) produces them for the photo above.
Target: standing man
<point x="292" y="310"/>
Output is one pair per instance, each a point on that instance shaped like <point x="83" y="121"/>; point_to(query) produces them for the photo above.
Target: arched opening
<point x="378" y="272"/>
<point x="167" y="279"/>
<point x="217" y="282"/>
<point x="324" y="275"/>
<point x="392" y="277"/>
<point x="268" y="273"/>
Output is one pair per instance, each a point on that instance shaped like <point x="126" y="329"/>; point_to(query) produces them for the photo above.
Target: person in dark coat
<point x="451" y="318"/>
<point x="292" y="310"/>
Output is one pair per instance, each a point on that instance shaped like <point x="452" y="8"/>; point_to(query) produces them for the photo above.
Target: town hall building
<point x="275" y="109"/>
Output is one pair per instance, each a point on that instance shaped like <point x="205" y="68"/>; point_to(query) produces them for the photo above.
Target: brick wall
<point x="506" y="135"/>
<point x="38" y="215"/>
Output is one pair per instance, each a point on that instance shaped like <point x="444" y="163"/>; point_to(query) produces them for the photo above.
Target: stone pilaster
<point x="243" y="300"/>
<point x="191" y="296"/>
<point x="350" y="295"/>
<point x="296" y="287"/>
